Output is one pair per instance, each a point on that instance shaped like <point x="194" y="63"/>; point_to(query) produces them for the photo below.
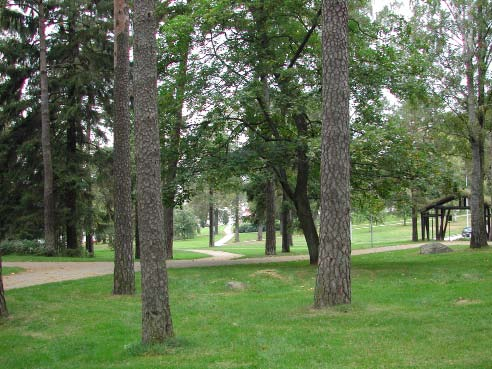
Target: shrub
<point x="185" y="224"/>
<point x="23" y="247"/>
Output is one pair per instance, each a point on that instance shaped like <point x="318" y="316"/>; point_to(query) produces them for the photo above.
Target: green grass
<point x="102" y="253"/>
<point x="11" y="270"/>
<point x="408" y="311"/>
<point x="388" y="234"/>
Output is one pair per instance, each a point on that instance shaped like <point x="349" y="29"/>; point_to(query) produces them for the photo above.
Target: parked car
<point x="466" y="232"/>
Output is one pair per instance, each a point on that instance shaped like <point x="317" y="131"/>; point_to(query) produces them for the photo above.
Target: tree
<point x="156" y="314"/>
<point x="460" y="40"/>
<point x="333" y="284"/>
<point x="236" y="218"/>
<point x="211" y="218"/>
<point x="124" y="274"/>
<point x="286" y="223"/>
<point x="49" y="199"/>
<point x="271" y="241"/>
<point x="3" y="305"/>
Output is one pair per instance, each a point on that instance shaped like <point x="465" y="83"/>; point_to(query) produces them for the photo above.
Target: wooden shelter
<point x="439" y="212"/>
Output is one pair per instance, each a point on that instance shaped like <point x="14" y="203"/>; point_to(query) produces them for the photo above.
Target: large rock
<point x="434" y="248"/>
<point x="235" y="285"/>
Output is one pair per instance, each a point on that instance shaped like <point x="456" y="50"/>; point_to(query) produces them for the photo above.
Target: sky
<point x="380" y="4"/>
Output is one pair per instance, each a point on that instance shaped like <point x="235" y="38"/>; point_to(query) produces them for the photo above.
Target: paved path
<point x="47" y="272"/>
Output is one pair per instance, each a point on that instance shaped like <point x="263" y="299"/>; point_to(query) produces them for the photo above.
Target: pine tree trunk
<point x="89" y="217"/>
<point x="49" y="200"/>
<point x="211" y="217"/>
<point x="333" y="285"/>
<point x="137" y="236"/>
<point x="156" y="313"/>
<point x="72" y="159"/>
<point x="3" y="305"/>
<point x="124" y="273"/>
<point x="271" y="241"/>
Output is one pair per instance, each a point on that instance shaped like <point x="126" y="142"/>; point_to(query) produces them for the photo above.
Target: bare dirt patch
<point x="268" y="273"/>
<point x="462" y="301"/>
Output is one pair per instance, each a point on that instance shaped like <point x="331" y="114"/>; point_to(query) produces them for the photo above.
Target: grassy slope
<point x="408" y="311"/>
<point x="11" y="270"/>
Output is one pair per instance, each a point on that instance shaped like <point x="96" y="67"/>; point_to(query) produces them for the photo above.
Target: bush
<point x="185" y="224"/>
<point x="23" y="247"/>
<point x="251" y="227"/>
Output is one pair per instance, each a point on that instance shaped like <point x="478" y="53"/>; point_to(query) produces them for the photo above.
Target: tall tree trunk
<point x="137" y="236"/>
<point x="71" y="192"/>
<point x="48" y="197"/>
<point x="333" y="285"/>
<point x="156" y="314"/>
<point x="259" y="236"/>
<point x="216" y="221"/>
<point x="174" y="148"/>
<point x="73" y="137"/>
<point x="285" y="222"/>
<point x="3" y="305"/>
<point x="211" y="218"/>
<point x="477" y="139"/>
<point x="415" y="232"/>
<point x="124" y="273"/>
<point x="169" y="231"/>
<point x="271" y="241"/>
<point x="89" y="217"/>
<point x="236" y="219"/>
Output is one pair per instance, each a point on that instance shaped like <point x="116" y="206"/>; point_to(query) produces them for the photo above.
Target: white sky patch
<point x="399" y="6"/>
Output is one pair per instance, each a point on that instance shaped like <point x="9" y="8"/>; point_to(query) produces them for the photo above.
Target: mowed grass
<point x="408" y="311"/>
<point x="11" y="270"/>
<point x="393" y="232"/>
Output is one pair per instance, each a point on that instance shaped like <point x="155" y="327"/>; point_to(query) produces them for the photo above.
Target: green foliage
<point x="185" y="224"/>
<point x="23" y="247"/>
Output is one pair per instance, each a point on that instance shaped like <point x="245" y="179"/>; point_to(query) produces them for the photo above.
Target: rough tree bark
<point x="49" y="201"/>
<point x="333" y="285"/>
<point x="137" y="237"/>
<point x="3" y="305"/>
<point x="124" y="274"/>
<point x="271" y="241"/>
<point x="156" y="314"/>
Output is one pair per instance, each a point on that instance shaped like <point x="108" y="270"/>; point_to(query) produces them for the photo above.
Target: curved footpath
<point x="47" y="272"/>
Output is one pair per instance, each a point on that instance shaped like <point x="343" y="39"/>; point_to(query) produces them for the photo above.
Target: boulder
<point x="234" y="285"/>
<point x="434" y="248"/>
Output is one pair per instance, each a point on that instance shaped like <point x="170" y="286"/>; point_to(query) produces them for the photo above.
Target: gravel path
<point x="47" y="272"/>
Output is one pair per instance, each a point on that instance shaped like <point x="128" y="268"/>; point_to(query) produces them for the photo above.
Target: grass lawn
<point x="11" y="270"/>
<point x="389" y="234"/>
<point x="408" y="311"/>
